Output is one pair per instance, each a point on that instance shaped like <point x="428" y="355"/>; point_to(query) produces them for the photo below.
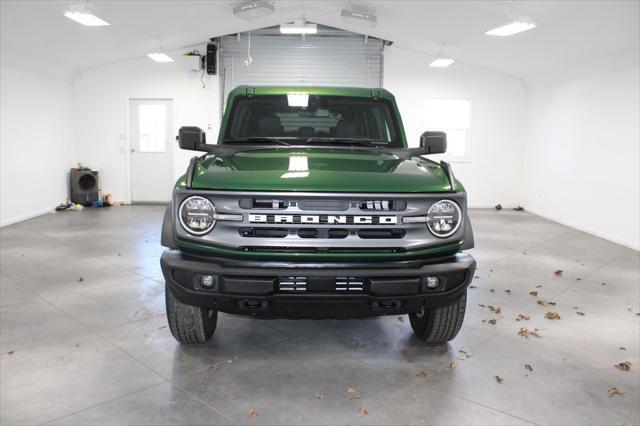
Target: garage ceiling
<point x="570" y="34"/>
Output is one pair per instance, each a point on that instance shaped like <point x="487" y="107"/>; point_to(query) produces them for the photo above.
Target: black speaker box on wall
<point x="85" y="186"/>
<point x="212" y="56"/>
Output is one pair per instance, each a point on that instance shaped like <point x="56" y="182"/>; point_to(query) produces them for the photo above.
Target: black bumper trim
<point x="272" y="303"/>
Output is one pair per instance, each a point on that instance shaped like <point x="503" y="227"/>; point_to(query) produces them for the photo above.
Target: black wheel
<point x="441" y="324"/>
<point x="189" y="324"/>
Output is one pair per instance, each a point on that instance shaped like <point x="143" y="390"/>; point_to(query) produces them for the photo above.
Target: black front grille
<point x="341" y="250"/>
<point x="381" y="233"/>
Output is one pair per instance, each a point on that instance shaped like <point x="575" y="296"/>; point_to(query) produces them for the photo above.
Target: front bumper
<point x="258" y="288"/>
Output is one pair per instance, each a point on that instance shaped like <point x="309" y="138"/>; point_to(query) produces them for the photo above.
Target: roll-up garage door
<point x="331" y="57"/>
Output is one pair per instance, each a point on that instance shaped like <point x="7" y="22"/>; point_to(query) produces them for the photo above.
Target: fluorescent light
<point x="359" y="18"/>
<point x="250" y="10"/>
<point x="511" y="28"/>
<point x="160" y="57"/>
<point x="299" y="27"/>
<point x="441" y="63"/>
<point x="85" y="16"/>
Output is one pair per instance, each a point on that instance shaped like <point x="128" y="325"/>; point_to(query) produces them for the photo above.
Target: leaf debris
<point x="499" y="379"/>
<point x="580" y="313"/>
<point x="533" y="293"/>
<point x="452" y="365"/>
<point x="546" y="302"/>
<point x="623" y="366"/>
<point x="80" y="279"/>
<point x="363" y="410"/>
<point x="615" y="391"/>
<point x="422" y="375"/>
<point x="552" y="315"/>
<point x="522" y="317"/>
<point x="525" y="332"/>
<point x="253" y="414"/>
<point x="558" y="272"/>
<point x="528" y="367"/>
<point x="352" y="393"/>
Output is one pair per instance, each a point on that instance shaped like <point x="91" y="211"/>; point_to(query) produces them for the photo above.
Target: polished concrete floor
<point x="84" y="340"/>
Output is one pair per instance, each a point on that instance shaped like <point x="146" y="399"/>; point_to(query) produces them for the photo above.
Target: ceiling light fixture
<point x="359" y="18"/>
<point x="513" y="27"/>
<point x="250" y="10"/>
<point x="85" y="16"/>
<point x="441" y="63"/>
<point x="299" y="27"/>
<point x="160" y="57"/>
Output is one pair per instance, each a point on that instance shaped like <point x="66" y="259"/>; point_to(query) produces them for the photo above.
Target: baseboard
<point x="26" y="217"/>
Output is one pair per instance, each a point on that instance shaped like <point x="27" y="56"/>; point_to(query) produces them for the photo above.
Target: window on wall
<point x="152" y="125"/>
<point x="452" y="116"/>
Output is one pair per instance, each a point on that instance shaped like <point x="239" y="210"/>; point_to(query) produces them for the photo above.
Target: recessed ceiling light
<point x="441" y="63"/>
<point x="250" y="10"/>
<point x="160" y="57"/>
<point x="359" y="18"/>
<point x="511" y="28"/>
<point x="299" y="27"/>
<point x="85" y="16"/>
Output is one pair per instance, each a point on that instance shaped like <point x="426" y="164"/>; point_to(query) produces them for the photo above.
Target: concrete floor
<point x="84" y="339"/>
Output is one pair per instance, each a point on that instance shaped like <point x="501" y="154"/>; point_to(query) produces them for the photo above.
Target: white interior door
<point x="151" y="127"/>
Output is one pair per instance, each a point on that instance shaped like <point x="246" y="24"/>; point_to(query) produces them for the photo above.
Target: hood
<point x="319" y="170"/>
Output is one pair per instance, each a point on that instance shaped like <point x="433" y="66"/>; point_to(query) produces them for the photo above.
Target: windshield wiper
<point x="254" y="140"/>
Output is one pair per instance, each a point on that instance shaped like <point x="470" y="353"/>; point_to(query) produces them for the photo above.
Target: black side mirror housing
<point x="434" y="142"/>
<point x="192" y="138"/>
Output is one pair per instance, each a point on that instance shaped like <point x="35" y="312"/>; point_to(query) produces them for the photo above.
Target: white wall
<point x="498" y="104"/>
<point x="101" y="98"/>
<point x="582" y="155"/>
<point x="36" y="143"/>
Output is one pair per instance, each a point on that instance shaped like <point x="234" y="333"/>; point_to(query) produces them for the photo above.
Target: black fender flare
<point x="467" y="240"/>
<point x="167" y="238"/>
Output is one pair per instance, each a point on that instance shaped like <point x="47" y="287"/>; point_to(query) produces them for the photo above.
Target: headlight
<point x="197" y="215"/>
<point x="443" y="218"/>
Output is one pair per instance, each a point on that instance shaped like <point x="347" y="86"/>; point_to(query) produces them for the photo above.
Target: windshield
<point x="303" y="118"/>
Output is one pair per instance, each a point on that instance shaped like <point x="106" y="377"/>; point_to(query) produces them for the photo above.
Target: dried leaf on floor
<point x="635" y="313"/>
<point x="253" y="414"/>
<point x="519" y="209"/>
<point x="80" y="279"/>
<point x="603" y="283"/>
<point x="352" y="393"/>
<point x="528" y="367"/>
<point x="558" y="272"/>
<point x="580" y="313"/>
<point x="507" y="291"/>
<point x="319" y="395"/>
<point x="552" y="315"/>
<point x="522" y="317"/>
<point x="492" y="290"/>
<point x="492" y="321"/>
<point x="615" y="391"/>
<point x="472" y="286"/>
<point x="441" y="349"/>
<point x="622" y="348"/>
<point x="575" y="307"/>
<point x="546" y="302"/>
<point x="624" y="366"/>
<point x="401" y="319"/>
<point x="452" y="365"/>
<point x="533" y="293"/>
<point x="539" y="286"/>
<point x="11" y="352"/>
<point x="499" y="379"/>
<point x="363" y="410"/>
<point x="422" y="375"/>
<point x="498" y="207"/>
<point x="525" y="332"/>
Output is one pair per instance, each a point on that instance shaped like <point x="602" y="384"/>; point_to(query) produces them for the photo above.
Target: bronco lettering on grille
<point x="323" y="219"/>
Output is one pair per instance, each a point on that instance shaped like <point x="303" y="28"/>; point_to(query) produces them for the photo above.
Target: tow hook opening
<point x="252" y="304"/>
<point x="387" y="304"/>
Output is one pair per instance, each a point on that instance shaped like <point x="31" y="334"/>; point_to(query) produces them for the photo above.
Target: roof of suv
<point x="330" y="91"/>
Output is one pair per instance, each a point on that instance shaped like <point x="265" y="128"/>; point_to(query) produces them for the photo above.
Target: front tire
<point x="441" y="324"/>
<point x="189" y="324"/>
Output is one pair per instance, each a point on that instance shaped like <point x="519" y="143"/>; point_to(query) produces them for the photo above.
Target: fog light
<point x="207" y="281"/>
<point x="433" y="282"/>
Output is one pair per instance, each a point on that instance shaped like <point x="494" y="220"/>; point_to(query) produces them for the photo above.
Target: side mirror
<point x="192" y="138"/>
<point x="434" y="142"/>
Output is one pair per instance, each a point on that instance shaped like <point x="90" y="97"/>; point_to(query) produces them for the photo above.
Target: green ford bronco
<point x="311" y="205"/>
